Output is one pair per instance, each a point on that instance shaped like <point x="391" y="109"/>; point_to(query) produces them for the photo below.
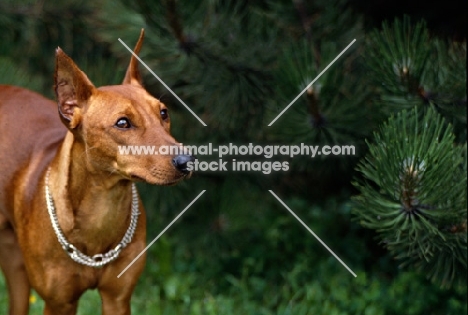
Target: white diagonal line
<point x="163" y="231"/>
<point x="311" y="232"/>
<point x="162" y="82"/>
<point x="310" y="84"/>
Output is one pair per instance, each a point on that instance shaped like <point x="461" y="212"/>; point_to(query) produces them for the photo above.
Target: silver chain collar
<point x="99" y="260"/>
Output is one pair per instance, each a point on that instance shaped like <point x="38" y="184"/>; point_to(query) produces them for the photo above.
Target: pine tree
<point x="204" y="58"/>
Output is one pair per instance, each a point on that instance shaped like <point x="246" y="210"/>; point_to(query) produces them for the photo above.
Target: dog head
<point x="122" y="128"/>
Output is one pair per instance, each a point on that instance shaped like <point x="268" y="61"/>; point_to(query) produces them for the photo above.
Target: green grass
<point x="273" y="267"/>
<point x="331" y="291"/>
<point x="246" y="297"/>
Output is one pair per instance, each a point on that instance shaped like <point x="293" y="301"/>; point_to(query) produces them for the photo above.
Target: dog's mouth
<point x="136" y="178"/>
<point x="164" y="182"/>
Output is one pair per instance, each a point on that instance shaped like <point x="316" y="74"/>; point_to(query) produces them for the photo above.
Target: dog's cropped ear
<point x="133" y="73"/>
<point x="72" y="88"/>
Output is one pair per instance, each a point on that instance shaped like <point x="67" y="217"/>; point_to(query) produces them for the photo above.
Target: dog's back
<point x="30" y="133"/>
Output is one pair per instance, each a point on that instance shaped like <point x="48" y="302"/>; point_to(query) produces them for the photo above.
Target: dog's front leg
<point x="53" y="308"/>
<point x="114" y="305"/>
<point x="116" y="292"/>
<point x="12" y="264"/>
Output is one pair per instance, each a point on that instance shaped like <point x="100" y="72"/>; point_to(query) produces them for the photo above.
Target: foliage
<point x="271" y="275"/>
<point x="411" y="69"/>
<point x="414" y="194"/>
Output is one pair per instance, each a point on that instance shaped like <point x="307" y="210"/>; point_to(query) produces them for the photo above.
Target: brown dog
<point x="90" y="197"/>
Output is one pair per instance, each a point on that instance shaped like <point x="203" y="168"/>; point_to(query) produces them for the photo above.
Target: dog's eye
<point x="164" y="114"/>
<point x="123" y="123"/>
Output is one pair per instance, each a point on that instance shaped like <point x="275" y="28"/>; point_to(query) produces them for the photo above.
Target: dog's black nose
<point x="180" y="162"/>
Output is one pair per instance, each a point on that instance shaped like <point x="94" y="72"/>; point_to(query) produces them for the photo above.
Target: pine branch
<point x="396" y="57"/>
<point x="410" y="69"/>
<point x="332" y="110"/>
<point x="414" y="194"/>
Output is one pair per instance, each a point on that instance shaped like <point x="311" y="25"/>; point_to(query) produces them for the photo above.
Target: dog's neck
<point x="93" y="206"/>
